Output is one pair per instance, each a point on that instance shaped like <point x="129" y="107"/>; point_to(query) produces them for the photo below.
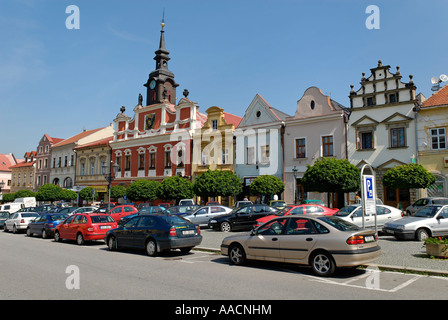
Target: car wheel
<point x="57" y="236"/>
<point x="422" y="234"/>
<point x="5" y="228"/>
<point x="44" y="234"/>
<point x="225" y="226"/>
<point x="111" y="243"/>
<point x="14" y="229"/>
<point x="151" y="248"/>
<point x="79" y="239"/>
<point x="28" y="232"/>
<point x="322" y="264"/>
<point x="237" y="256"/>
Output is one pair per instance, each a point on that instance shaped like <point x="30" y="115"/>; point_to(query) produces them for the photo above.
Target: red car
<point x="84" y="227"/>
<point x="121" y="211"/>
<point x="299" y="209"/>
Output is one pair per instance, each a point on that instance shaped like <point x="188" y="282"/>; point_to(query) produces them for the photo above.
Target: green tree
<point x="406" y="176"/>
<point x="24" y="194"/>
<point x="48" y="192"/>
<point x="86" y="194"/>
<point x="8" y="197"/>
<point x="267" y="185"/>
<point x="176" y="188"/>
<point x="213" y="183"/>
<point x="331" y="175"/>
<point x="143" y="190"/>
<point x="67" y="195"/>
<point x="117" y="192"/>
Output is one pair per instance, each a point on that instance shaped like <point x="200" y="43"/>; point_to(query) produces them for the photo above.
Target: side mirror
<point x="440" y="217"/>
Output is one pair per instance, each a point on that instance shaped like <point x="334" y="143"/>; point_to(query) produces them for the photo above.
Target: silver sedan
<point x="202" y="215"/>
<point x="323" y="242"/>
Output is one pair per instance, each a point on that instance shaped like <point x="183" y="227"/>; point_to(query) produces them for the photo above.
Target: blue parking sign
<point x="369" y="187"/>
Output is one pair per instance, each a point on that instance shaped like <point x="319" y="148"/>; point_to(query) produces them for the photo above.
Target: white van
<point x="26" y="201"/>
<point x="11" y="207"/>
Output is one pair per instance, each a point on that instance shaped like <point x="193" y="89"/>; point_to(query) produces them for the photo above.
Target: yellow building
<point x="213" y="146"/>
<point x="22" y="174"/>
<point x="432" y="124"/>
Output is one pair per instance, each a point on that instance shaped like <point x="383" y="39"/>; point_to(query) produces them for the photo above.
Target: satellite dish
<point x="443" y="77"/>
<point x="434" y="80"/>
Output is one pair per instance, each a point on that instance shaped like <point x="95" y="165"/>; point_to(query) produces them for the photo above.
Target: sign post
<point x="368" y="192"/>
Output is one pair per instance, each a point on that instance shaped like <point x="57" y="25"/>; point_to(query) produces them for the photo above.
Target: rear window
<point x="174" y="220"/>
<point x="339" y="224"/>
<point x="345" y="211"/>
<point x="101" y="219"/>
<point x="4" y="215"/>
<point x="440" y="201"/>
<point x="29" y="215"/>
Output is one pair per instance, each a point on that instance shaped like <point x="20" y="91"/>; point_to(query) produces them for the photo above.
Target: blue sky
<point x="59" y="81"/>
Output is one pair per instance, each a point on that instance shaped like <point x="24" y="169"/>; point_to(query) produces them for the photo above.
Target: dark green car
<point x="4" y="215"/>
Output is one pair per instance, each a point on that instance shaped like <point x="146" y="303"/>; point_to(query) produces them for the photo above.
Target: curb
<point x="422" y="271"/>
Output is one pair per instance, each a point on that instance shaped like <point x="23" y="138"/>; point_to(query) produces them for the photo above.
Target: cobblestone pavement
<point x="396" y="254"/>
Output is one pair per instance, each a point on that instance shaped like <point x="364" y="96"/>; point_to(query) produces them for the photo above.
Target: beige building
<point x="432" y="126"/>
<point x="317" y="130"/>
<point x="23" y="173"/>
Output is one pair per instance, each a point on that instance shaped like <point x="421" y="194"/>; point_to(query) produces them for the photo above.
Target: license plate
<point x="369" y="239"/>
<point x="187" y="232"/>
<point x="104" y="227"/>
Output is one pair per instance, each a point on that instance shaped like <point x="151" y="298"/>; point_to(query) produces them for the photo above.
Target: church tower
<point x="161" y="85"/>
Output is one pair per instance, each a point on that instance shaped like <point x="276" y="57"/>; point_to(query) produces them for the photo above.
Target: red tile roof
<point x="232" y="119"/>
<point x="23" y="164"/>
<point x="76" y="137"/>
<point x="7" y="160"/>
<point x="440" y="98"/>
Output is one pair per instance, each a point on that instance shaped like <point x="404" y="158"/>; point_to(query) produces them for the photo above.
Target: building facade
<point x="157" y="141"/>
<point x="382" y="130"/>
<point x="43" y="159"/>
<point x="23" y="173"/>
<point x="318" y="129"/>
<point x="259" y="143"/>
<point x="432" y="126"/>
<point x="6" y="161"/>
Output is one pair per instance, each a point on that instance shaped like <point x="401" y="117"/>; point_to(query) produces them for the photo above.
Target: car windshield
<point x="345" y="211"/>
<point x="174" y="220"/>
<point x="101" y="219"/>
<point x="339" y="224"/>
<point x="56" y="217"/>
<point x="4" y="215"/>
<point x="428" y="212"/>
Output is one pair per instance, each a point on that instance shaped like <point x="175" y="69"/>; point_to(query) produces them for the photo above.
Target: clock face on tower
<point x="152" y="84"/>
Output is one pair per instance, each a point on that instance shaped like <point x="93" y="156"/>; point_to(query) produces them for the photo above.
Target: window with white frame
<point x="438" y="138"/>
<point x="225" y="156"/>
<point x="204" y="160"/>
<point x="250" y="155"/>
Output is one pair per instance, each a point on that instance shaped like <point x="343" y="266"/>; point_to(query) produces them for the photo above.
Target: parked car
<point x="212" y="203"/>
<point x="353" y="214"/>
<point x="143" y="205"/>
<point x="155" y="233"/>
<point x="242" y="203"/>
<point x="144" y="210"/>
<point x="298" y="209"/>
<point x="121" y="211"/>
<point x="278" y="204"/>
<point x="202" y="215"/>
<point x="242" y="218"/>
<point x="313" y="201"/>
<point x="45" y="224"/>
<point x="322" y="242"/>
<point x="186" y="202"/>
<point x="429" y="221"/>
<point x="11" y="207"/>
<point x="181" y="210"/>
<point x="164" y="204"/>
<point x="87" y="209"/>
<point x="46" y="208"/>
<point x="67" y="210"/>
<point x="4" y="215"/>
<point x="19" y="221"/>
<point x="84" y="227"/>
<point x="420" y="203"/>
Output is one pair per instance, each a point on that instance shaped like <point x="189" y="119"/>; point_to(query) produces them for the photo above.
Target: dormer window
<point x="215" y="124"/>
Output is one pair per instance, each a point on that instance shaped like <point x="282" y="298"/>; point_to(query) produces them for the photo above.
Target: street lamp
<point x="294" y="172"/>
<point x="109" y="175"/>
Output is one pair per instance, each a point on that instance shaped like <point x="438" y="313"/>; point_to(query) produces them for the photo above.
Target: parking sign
<point x="369" y="194"/>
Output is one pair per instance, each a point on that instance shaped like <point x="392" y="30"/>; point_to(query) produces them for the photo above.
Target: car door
<point x="299" y="238"/>
<point x="241" y="217"/>
<point x="126" y="233"/>
<point x="200" y="216"/>
<point x="75" y="226"/>
<point x="441" y="228"/>
<point x="145" y="227"/>
<point x="116" y="213"/>
<point x="37" y="224"/>
<point x="64" y="228"/>
<point x="264" y="243"/>
<point x="10" y="222"/>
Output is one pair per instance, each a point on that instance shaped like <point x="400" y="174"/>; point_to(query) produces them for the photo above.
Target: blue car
<point x="144" y="210"/>
<point x="155" y="233"/>
<point x="45" y="224"/>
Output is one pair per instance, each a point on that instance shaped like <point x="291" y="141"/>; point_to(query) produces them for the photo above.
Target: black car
<point x="155" y="233"/>
<point x="242" y="218"/>
<point x="45" y="224"/>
